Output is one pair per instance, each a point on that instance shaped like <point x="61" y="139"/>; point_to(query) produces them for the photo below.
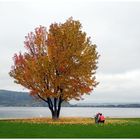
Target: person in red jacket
<point x="101" y="118"/>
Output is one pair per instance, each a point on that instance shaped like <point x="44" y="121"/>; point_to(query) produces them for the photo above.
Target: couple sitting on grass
<point x="99" y="118"/>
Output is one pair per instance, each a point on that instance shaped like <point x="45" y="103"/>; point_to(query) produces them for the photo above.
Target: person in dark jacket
<point x="97" y="118"/>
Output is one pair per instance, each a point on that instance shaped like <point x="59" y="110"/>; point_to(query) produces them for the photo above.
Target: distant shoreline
<point x="112" y="106"/>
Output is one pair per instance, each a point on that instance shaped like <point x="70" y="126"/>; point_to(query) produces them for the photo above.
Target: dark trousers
<point x="101" y="121"/>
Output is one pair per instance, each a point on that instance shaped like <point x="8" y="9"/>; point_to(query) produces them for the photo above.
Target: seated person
<point x="97" y="117"/>
<point x="101" y="118"/>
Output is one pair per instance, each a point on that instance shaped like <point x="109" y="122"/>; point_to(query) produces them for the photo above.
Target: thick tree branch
<point x="50" y="102"/>
<point x="55" y="104"/>
<point x="42" y="98"/>
<point x="49" y="105"/>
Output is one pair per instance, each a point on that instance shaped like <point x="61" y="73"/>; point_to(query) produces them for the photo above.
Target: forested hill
<point x="13" y="98"/>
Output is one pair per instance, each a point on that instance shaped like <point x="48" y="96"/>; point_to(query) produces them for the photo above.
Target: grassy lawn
<point x="113" y="128"/>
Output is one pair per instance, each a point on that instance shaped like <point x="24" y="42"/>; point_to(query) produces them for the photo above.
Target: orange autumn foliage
<point x="60" y="62"/>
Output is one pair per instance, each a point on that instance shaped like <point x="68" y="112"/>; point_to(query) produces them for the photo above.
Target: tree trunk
<point x="54" y="115"/>
<point x="54" y="106"/>
<point x="59" y="106"/>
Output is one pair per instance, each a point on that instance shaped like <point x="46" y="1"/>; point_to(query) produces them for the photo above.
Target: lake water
<point x="26" y="112"/>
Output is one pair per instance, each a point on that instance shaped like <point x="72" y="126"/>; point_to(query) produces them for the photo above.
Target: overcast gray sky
<point x="114" y="26"/>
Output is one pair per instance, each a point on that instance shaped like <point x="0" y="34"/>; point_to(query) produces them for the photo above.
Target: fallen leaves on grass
<point x="65" y="120"/>
<point x="116" y="121"/>
<point x="69" y="120"/>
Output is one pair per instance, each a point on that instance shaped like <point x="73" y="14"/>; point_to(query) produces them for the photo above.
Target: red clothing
<point x="102" y="118"/>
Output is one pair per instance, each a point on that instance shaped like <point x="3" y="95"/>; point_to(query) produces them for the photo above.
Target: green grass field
<point x="128" y="128"/>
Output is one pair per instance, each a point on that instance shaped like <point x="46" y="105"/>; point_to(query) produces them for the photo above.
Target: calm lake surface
<point x="26" y="112"/>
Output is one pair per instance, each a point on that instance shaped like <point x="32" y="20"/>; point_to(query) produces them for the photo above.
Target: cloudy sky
<point x="114" y="26"/>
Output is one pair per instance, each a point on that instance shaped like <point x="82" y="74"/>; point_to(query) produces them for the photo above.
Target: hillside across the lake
<point x="14" y="98"/>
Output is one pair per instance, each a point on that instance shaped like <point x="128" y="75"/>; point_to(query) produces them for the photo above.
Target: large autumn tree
<point x="59" y="64"/>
